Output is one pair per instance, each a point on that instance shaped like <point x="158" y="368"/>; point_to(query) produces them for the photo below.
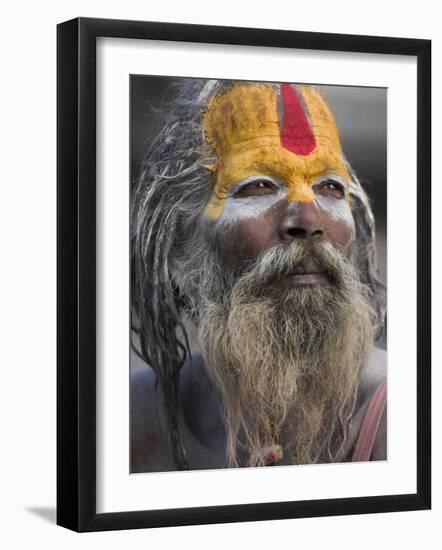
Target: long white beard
<point x="286" y="368"/>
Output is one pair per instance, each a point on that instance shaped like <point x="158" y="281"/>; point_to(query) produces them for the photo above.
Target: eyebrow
<point x="262" y="166"/>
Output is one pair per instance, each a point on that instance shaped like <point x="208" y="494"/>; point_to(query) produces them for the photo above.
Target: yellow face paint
<point x="263" y="129"/>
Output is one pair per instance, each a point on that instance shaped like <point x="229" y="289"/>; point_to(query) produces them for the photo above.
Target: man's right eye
<point x="256" y="188"/>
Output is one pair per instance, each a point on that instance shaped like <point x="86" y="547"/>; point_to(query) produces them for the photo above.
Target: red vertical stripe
<point x="296" y="134"/>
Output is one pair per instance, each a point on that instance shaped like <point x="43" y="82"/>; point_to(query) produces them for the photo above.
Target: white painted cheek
<point x="338" y="209"/>
<point x="236" y="209"/>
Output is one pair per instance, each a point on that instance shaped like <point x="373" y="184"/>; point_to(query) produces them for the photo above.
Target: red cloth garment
<point x="370" y="424"/>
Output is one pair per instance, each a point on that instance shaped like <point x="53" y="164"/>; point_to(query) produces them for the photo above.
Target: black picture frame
<point x="76" y="273"/>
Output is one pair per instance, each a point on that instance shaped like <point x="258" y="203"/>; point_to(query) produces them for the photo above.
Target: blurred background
<point x="361" y="117"/>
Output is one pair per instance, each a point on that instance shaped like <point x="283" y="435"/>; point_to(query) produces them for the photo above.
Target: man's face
<point x="324" y="219"/>
<point x="280" y="176"/>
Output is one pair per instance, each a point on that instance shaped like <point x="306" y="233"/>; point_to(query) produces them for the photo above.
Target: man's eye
<point x="256" y="188"/>
<point x="331" y="188"/>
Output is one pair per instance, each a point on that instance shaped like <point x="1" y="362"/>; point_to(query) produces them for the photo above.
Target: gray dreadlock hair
<point x="169" y="196"/>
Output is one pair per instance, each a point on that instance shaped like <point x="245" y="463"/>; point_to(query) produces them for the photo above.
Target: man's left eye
<point x="331" y="188"/>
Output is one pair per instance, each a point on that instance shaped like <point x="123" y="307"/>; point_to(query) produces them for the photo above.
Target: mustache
<point x="298" y="257"/>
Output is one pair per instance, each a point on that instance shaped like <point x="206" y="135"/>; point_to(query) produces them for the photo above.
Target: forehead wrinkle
<point x="264" y="166"/>
<point x="261" y="160"/>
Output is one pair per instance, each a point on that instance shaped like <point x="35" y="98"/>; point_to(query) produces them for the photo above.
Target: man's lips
<point x="303" y="270"/>
<point x="308" y="273"/>
<point x="317" y="278"/>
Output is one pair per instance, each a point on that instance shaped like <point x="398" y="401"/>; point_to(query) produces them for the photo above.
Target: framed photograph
<point x="238" y="211"/>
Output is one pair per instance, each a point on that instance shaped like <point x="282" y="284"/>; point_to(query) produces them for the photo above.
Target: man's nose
<point x="301" y="220"/>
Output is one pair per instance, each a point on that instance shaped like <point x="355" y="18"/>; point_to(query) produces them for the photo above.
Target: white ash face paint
<point x="241" y="208"/>
<point x="339" y="209"/>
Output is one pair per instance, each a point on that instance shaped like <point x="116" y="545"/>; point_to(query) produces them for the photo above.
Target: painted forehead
<point x="280" y="130"/>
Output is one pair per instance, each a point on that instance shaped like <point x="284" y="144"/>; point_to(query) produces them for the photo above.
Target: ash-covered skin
<point x="238" y="208"/>
<point x="252" y="223"/>
<point x="337" y="208"/>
